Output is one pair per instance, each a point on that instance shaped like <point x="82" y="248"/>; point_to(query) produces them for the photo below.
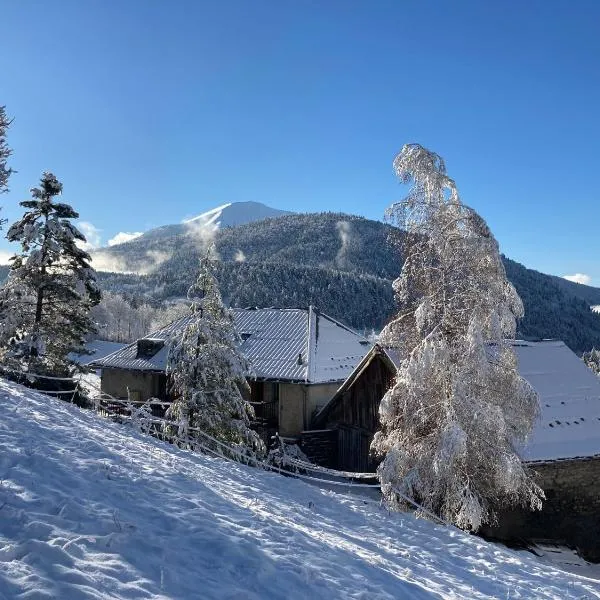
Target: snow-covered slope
<point x="227" y="215"/>
<point x="236" y="213"/>
<point x="146" y="252"/>
<point x="91" y="509"/>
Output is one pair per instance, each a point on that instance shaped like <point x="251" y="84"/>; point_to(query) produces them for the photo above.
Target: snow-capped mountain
<point x="144" y="252"/>
<point x="235" y="213"/>
<point x="341" y="263"/>
<point x="226" y="215"/>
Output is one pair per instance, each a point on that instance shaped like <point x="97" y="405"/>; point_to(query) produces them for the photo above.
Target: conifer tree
<point x="207" y="373"/>
<point x="458" y="412"/>
<point x="5" y="151"/>
<point x="45" y="302"/>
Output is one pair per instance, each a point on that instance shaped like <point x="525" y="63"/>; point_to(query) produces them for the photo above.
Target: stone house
<point x="298" y="357"/>
<point x="564" y="448"/>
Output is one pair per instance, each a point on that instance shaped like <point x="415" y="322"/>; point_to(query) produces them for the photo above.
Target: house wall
<point x="571" y="511"/>
<point x="292" y="400"/>
<point x="298" y="403"/>
<point x="318" y="396"/>
<point x="116" y="381"/>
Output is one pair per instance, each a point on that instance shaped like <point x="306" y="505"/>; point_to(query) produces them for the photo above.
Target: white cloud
<point x="92" y="235"/>
<point x="103" y="260"/>
<point x="239" y="256"/>
<point x="4" y="256"/>
<point x="344" y="229"/>
<point x="202" y="233"/>
<point x="579" y="278"/>
<point x="124" y="236"/>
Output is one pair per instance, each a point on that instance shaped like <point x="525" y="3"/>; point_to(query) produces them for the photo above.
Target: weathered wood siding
<point x="355" y="414"/>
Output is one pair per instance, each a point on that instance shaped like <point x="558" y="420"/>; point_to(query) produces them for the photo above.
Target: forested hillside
<point x="329" y="240"/>
<point x="552" y="310"/>
<point x="343" y="264"/>
<point x="362" y="301"/>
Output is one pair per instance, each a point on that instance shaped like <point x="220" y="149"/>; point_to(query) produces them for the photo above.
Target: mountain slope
<point x="341" y="263"/>
<point x="552" y="310"/>
<point x="591" y="295"/>
<point x="331" y="240"/>
<point x="237" y="213"/>
<point x="92" y="509"/>
<point x="195" y="228"/>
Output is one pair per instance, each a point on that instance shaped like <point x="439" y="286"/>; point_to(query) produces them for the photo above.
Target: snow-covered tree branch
<point x="458" y="412"/>
<point x="592" y="360"/>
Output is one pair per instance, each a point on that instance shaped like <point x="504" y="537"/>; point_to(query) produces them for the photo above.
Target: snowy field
<point x="91" y="509"/>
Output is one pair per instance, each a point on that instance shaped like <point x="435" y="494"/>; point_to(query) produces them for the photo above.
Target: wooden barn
<point x="352" y="414"/>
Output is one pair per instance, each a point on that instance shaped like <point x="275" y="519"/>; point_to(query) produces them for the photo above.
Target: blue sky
<point x="152" y="111"/>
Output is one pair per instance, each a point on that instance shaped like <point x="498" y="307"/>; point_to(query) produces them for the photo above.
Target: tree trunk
<point x="38" y="306"/>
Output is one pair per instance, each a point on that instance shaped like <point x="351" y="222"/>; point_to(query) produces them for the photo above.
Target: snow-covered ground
<point x="92" y="509"/>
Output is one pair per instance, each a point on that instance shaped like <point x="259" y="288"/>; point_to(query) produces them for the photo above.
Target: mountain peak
<point x="209" y="215"/>
<point x="235" y="213"/>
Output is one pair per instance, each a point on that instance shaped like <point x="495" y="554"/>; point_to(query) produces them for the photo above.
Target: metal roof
<point x="277" y="342"/>
<point x="281" y="344"/>
<point x="98" y="349"/>
<point x="569" y="394"/>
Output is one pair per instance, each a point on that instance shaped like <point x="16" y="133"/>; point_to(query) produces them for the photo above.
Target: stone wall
<point x="321" y="446"/>
<point x="571" y="512"/>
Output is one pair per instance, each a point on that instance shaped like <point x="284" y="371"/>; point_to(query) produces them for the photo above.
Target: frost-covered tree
<point x="207" y="373"/>
<point x="45" y="302"/>
<point x="169" y="313"/>
<point x="592" y="360"/>
<point x="5" y="151"/>
<point x="118" y="320"/>
<point x="454" y="419"/>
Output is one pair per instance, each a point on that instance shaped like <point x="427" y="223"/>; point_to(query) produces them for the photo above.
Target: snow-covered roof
<point x="389" y="355"/>
<point x="99" y="349"/>
<point x="127" y="356"/>
<point x="281" y="344"/>
<point x="569" y="394"/>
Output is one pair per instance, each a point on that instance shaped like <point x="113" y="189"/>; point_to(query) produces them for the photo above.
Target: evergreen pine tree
<point x="45" y="302"/>
<point x="458" y="411"/>
<point x="207" y="373"/>
<point x="5" y="151"/>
